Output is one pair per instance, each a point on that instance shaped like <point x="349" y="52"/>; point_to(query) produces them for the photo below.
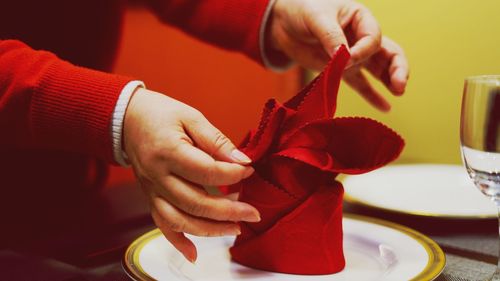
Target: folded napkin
<point x="297" y="152"/>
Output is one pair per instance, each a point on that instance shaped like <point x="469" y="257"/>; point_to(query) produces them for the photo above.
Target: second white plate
<point x="443" y="191"/>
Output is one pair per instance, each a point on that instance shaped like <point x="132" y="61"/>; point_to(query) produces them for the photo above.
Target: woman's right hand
<point x="175" y="151"/>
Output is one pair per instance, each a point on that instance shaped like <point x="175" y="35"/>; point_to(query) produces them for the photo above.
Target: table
<point x="471" y="247"/>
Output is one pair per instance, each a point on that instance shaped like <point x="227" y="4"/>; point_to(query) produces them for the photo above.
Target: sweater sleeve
<point x="234" y="25"/>
<point x="46" y="102"/>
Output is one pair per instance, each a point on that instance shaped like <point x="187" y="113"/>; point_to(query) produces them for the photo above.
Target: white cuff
<point x="118" y="118"/>
<point x="262" y="42"/>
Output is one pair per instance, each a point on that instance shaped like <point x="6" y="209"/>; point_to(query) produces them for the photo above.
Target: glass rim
<point x="493" y="79"/>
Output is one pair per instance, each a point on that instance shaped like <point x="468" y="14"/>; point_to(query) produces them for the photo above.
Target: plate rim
<point x="134" y="269"/>
<point x="436" y="257"/>
<point x="349" y="198"/>
<point x="435" y="263"/>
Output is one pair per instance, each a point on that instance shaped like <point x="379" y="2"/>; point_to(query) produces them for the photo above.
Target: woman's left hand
<point x="309" y="32"/>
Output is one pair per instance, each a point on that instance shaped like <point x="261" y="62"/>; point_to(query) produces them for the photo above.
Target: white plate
<point x="425" y="190"/>
<point x="374" y="250"/>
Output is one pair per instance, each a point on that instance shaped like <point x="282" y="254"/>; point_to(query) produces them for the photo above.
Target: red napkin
<point x="297" y="152"/>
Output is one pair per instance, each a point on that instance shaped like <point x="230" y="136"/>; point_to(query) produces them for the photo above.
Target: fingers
<point x="178" y="240"/>
<point x="213" y="141"/>
<point x="310" y="55"/>
<point x="366" y="35"/>
<point x="194" y="215"/>
<point x="232" y="196"/>
<point x="398" y="69"/>
<point x="169" y="162"/>
<point x="390" y="66"/>
<point x="328" y="31"/>
<point x="399" y="75"/>
<point x="196" y="163"/>
<point x="197" y="166"/>
<point x="178" y="221"/>
<point x="195" y="201"/>
<point x="357" y="80"/>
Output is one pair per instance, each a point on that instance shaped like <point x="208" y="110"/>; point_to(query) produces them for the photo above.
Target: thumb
<point x="329" y="32"/>
<point x="213" y="141"/>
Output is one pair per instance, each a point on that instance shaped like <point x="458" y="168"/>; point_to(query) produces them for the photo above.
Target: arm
<point x="234" y="25"/>
<point x="174" y="150"/>
<point x="276" y="32"/>
<point x="47" y="102"/>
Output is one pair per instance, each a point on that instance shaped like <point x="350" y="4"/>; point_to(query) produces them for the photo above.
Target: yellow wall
<point x="445" y="41"/>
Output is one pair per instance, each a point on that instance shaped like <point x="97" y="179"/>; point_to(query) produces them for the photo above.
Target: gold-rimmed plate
<point x="374" y="250"/>
<point x="427" y="190"/>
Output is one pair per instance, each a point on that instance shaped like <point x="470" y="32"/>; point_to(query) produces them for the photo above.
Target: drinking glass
<point x="480" y="137"/>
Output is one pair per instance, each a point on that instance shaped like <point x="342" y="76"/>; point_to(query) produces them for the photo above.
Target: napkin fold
<point x="297" y="150"/>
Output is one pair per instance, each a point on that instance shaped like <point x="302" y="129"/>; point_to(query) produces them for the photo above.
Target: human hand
<point x="174" y="151"/>
<point x="309" y="32"/>
<point x="389" y="65"/>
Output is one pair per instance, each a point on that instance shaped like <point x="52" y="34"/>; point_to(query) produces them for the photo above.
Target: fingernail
<point x="398" y="82"/>
<point x="191" y="259"/>
<point x="191" y="255"/>
<point x="248" y="172"/>
<point x="240" y="157"/>
<point x="252" y="217"/>
<point x="400" y="75"/>
<point x="232" y="232"/>
<point x="334" y="51"/>
<point x="397" y="90"/>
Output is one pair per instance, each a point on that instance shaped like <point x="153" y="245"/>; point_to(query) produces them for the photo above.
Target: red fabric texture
<point x="297" y="152"/>
<point x="49" y="103"/>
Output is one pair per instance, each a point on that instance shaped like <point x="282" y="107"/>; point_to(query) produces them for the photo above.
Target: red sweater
<point x="49" y="105"/>
<point x="55" y="110"/>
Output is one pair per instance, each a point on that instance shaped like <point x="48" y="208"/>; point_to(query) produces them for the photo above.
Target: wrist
<point x="140" y="105"/>
<point x="273" y="56"/>
<point x="117" y="126"/>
